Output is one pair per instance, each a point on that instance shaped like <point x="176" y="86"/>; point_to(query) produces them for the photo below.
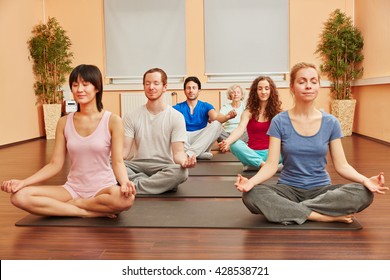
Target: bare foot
<point x="75" y="202"/>
<point x="83" y="213"/>
<point x="91" y="214"/>
<point x="88" y="213"/>
<point x="315" y="216"/>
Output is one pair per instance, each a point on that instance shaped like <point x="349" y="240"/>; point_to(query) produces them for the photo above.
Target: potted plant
<point x="50" y="53"/>
<point x="340" y="48"/>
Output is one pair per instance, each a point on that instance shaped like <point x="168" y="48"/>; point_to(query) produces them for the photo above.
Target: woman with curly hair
<point x="262" y="105"/>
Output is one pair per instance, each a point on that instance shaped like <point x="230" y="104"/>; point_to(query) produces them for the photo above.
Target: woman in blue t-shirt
<point x="303" y="135"/>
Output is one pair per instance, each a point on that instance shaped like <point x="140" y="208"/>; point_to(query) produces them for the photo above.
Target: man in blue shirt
<point x="203" y="122"/>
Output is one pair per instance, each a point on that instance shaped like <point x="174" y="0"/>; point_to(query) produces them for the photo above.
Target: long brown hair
<point x="273" y="105"/>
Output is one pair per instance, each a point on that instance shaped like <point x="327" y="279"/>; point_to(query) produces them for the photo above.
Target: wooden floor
<point x="43" y="243"/>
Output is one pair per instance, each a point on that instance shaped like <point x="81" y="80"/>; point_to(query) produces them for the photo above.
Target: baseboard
<point x="371" y="138"/>
<point x="21" y="142"/>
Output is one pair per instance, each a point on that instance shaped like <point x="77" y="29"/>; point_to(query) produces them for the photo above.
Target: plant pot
<point x="51" y="115"/>
<point x="344" y="110"/>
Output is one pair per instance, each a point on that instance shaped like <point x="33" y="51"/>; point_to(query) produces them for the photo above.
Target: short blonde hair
<point x="231" y="90"/>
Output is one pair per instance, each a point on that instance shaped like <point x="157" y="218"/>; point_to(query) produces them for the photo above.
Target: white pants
<point x="200" y="141"/>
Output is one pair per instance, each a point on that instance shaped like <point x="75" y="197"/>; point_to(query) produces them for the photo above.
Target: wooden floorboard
<point x="44" y="243"/>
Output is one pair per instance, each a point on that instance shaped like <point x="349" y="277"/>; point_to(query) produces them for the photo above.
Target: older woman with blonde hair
<point x="236" y="94"/>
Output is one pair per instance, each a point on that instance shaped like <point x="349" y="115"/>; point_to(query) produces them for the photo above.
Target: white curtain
<point x="143" y="34"/>
<point x="244" y="37"/>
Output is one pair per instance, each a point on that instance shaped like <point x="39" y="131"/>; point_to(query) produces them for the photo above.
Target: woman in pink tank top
<point x="89" y="136"/>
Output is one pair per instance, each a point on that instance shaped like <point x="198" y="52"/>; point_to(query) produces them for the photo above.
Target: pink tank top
<point x="90" y="169"/>
<point x="257" y="134"/>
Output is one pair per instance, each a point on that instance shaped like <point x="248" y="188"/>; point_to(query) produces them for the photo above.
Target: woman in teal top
<point x="303" y="135"/>
<point x="236" y="94"/>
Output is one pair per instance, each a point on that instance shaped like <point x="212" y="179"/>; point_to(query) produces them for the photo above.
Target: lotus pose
<point x="303" y="135"/>
<point x="158" y="133"/>
<point x="203" y="122"/>
<point x="89" y="136"/>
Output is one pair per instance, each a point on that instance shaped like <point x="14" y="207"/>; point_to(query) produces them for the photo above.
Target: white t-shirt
<point x="153" y="134"/>
<point x="231" y="124"/>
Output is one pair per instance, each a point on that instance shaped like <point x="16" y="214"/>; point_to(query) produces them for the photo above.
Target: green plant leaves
<point x="340" y="48"/>
<point x="50" y="53"/>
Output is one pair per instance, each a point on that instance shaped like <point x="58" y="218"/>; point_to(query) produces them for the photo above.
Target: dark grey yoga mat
<point x="219" y="169"/>
<point x="198" y="186"/>
<point x="183" y="214"/>
<point x="205" y="186"/>
<point x="221" y="157"/>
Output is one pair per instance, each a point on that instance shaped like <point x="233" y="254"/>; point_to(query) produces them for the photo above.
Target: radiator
<point x="133" y="100"/>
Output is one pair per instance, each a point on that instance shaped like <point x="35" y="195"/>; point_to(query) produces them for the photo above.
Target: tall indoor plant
<point x="50" y="53"/>
<point x="340" y="48"/>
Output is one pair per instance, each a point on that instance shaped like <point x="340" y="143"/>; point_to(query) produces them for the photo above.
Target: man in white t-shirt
<point x="158" y="131"/>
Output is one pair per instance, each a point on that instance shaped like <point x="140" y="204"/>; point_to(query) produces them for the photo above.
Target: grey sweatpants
<point x="155" y="177"/>
<point x="285" y="204"/>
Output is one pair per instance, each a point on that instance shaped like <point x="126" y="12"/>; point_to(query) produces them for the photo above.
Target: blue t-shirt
<point x="200" y="117"/>
<point x="304" y="157"/>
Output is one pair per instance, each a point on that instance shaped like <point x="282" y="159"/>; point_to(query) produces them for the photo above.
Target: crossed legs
<point x="284" y="204"/>
<point x="155" y="177"/>
<point x="57" y="201"/>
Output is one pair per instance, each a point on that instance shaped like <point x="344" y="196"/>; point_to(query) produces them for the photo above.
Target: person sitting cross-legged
<point x="305" y="137"/>
<point x="203" y="122"/>
<point x="93" y="188"/>
<point x="158" y="132"/>
<point x="262" y="105"/>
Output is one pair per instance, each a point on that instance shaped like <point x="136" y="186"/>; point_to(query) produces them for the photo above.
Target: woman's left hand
<point x="243" y="184"/>
<point x="376" y="184"/>
<point x="128" y="189"/>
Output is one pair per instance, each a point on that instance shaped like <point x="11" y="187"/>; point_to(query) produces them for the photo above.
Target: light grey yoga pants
<point x="285" y="204"/>
<point x="155" y="177"/>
